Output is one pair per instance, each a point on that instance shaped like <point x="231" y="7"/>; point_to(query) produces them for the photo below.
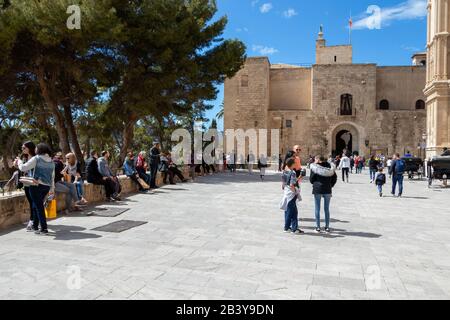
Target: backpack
<point x="400" y="167"/>
<point x="381" y="179"/>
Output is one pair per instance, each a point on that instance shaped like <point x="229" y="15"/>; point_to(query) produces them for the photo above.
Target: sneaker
<point x="116" y="198"/>
<point x="400" y="195"/>
<point x="381" y="194"/>
<point x="318" y="230"/>
<point x="110" y="199"/>
<point x="30" y="226"/>
<point x="298" y="231"/>
<point x="41" y="231"/>
<point x="287" y="230"/>
<point x="327" y="230"/>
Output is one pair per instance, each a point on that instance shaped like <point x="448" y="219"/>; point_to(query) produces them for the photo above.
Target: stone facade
<point x="381" y="107"/>
<point x="437" y="87"/>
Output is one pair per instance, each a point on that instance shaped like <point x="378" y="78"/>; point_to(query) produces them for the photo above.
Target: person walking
<point x="28" y="152"/>
<point x="373" y="168"/>
<point x="380" y="181"/>
<point x="397" y="171"/>
<point x="291" y="188"/>
<point x="250" y="162"/>
<point x="352" y="164"/>
<point x="43" y="170"/>
<point x="389" y="165"/>
<point x="323" y="178"/>
<point x="344" y="166"/>
<point x="262" y="165"/>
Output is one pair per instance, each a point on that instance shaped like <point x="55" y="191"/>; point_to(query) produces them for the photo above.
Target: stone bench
<point x="14" y="208"/>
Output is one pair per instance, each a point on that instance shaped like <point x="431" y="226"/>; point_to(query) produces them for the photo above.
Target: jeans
<point x="30" y="201"/>
<point x="291" y="216"/>
<point x="70" y="191"/>
<point x="373" y="172"/>
<point x="345" y="173"/>
<point x="380" y="188"/>
<point x="38" y="194"/>
<point x="79" y="186"/>
<point x="317" y="200"/>
<point x="397" y="178"/>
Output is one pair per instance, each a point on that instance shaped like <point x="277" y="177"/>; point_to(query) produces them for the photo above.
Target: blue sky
<point x="286" y="30"/>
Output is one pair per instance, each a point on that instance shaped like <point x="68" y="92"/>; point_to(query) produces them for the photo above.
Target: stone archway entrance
<point x="344" y="140"/>
<point x="345" y="136"/>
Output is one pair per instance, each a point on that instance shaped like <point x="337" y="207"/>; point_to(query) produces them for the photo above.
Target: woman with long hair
<point x="44" y="175"/>
<point x="73" y="170"/>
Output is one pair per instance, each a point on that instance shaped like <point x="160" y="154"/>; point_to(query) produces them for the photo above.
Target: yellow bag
<point x="50" y="210"/>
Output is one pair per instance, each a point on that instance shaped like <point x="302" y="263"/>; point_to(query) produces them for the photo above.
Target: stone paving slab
<point x="221" y="238"/>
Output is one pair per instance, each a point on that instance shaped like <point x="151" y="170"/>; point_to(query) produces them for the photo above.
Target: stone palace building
<point x="332" y="104"/>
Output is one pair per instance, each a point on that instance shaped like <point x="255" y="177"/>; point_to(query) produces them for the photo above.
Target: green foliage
<point x="134" y="65"/>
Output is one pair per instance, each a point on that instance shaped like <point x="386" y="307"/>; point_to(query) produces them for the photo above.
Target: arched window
<point x="384" y="105"/>
<point x="420" y="105"/>
<point x="346" y="104"/>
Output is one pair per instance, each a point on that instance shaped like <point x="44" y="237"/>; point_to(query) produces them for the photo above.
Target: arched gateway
<point x="345" y="136"/>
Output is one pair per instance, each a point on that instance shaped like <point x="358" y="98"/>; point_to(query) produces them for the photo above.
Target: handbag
<point x="28" y="181"/>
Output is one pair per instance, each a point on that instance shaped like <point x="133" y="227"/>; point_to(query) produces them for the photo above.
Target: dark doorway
<point x="344" y="140"/>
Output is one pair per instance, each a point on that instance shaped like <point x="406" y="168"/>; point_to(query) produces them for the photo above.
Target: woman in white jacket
<point x="344" y="165"/>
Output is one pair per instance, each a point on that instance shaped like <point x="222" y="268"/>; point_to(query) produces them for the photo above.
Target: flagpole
<point x="350" y="29"/>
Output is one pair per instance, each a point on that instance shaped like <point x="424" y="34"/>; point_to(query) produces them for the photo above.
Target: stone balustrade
<point x="14" y="208"/>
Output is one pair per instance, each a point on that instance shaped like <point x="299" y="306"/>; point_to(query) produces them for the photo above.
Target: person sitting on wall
<point x="105" y="170"/>
<point x="445" y="152"/>
<point x="93" y="176"/>
<point x="130" y="171"/>
<point x="66" y="187"/>
<point x="174" y="169"/>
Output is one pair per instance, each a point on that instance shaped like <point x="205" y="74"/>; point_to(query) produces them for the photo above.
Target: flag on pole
<point x="350" y="23"/>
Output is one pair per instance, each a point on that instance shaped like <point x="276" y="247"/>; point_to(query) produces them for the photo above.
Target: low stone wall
<point x="14" y="209"/>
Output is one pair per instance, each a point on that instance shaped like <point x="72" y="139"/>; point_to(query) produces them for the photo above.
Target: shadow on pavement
<point x="64" y="233"/>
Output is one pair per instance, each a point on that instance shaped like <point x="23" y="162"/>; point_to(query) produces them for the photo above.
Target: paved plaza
<point x="221" y="237"/>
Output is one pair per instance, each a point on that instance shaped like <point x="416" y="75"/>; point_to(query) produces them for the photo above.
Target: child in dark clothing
<point x="380" y="181"/>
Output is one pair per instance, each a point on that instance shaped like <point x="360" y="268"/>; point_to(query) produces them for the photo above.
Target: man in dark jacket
<point x="323" y="178"/>
<point x="154" y="163"/>
<point x="397" y="170"/>
<point x="93" y="176"/>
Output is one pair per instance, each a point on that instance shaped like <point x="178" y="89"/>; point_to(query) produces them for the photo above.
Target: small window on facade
<point x="288" y="123"/>
<point x="335" y="58"/>
<point x="420" y="105"/>
<point x="384" y="105"/>
<point x="244" y="81"/>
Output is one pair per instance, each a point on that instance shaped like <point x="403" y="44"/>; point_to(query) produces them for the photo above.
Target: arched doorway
<point x="345" y="136"/>
<point x="344" y="140"/>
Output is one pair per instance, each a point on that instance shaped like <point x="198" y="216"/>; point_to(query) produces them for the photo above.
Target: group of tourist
<point x="323" y="178"/>
<point x="44" y="177"/>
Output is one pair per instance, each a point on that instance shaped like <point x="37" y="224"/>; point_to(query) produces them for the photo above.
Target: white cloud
<point x="290" y="13"/>
<point x="379" y="17"/>
<point x="242" y="30"/>
<point x="264" y="51"/>
<point x="266" y="7"/>
<point x="254" y="2"/>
